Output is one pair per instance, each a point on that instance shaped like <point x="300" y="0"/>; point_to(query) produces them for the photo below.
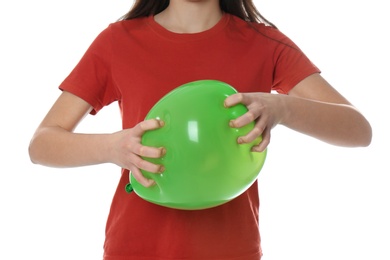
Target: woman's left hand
<point x="265" y="109"/>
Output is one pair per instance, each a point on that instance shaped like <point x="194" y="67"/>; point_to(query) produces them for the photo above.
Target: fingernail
<point x="256" y="149"/>
<point x="240" y="140"/>
<point x="151" y="183"/>
<point x="163" y="151"/>
<point x="162" y="169"/>
<point x="161" y="123"/>
<point x="231" y="124"/>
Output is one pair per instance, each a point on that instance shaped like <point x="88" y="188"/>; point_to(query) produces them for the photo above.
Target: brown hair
<point x="244" y="9"/>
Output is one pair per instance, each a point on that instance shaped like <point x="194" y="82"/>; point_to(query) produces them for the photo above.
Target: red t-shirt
<point x="136" y="62"/>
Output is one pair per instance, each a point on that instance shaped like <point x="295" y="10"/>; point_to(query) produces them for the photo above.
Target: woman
<point x="156" y="47"/>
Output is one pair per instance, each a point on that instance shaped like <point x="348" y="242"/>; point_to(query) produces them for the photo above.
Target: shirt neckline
<point x="160" y="30"/>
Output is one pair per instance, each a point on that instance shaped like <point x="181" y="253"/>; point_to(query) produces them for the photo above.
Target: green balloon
<point x="204" y="165"/>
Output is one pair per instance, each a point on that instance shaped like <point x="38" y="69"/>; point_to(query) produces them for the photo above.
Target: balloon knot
<point x="129" y="188"/>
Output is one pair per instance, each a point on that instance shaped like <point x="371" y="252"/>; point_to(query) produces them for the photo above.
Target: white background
<point x="317" y="201"/>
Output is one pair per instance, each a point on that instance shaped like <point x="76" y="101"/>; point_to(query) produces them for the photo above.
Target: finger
<point x="234" y="99"/>
<point x="257" y="131"/>
<point x="148" y="151"/>
<point x="146" y="165"/>
<point x="245" y="119"/>
<point x="147" y="125"/>
<point x="266" y="138"/>
<point x="141" y="178"/>
<point x="251" y="136"/>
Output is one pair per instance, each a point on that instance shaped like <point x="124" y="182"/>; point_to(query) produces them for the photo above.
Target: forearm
<point x="56" y="147"/>
<point x="336" y="124"/>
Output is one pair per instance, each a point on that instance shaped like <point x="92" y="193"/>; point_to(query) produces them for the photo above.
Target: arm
<point x="312" y="107"/>
<point x="55" y="144"/>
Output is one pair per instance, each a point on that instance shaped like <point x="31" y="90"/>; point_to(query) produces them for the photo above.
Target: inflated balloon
<point x="204" y="165"/>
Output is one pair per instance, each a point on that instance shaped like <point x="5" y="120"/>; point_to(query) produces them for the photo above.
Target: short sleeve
<point x="91" y="79"/>
<point x="291" y="65"/>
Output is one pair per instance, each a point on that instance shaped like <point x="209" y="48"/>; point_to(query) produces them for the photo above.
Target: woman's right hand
<point x="55" y="144"/>
<point x="127" y="151"/>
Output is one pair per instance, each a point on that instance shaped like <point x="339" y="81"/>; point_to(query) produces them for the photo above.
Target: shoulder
<point x="261" y="32"/>
<point x="117" y="31"/>
<point x="137" y="24"/>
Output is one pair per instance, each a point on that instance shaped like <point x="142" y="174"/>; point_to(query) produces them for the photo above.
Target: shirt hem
<point x="256" y="256"/>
